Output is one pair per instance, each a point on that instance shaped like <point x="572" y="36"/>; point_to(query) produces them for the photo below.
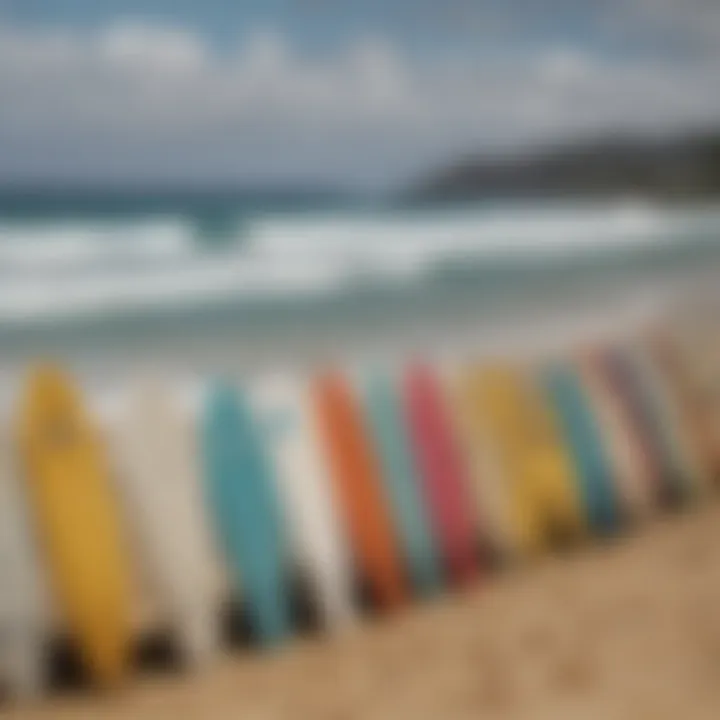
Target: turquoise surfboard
<point x="241" y="496"/>
<point x="584" y="441"/>
<point x="400" y="479"/>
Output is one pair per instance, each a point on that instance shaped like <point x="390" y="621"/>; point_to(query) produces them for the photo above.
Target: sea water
<point x="227" y="283"/>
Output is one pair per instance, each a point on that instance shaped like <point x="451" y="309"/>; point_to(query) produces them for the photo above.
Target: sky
<point x="358" y="93"/>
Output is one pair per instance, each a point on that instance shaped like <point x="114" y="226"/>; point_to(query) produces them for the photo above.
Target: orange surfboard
<point x="356" y="476"/>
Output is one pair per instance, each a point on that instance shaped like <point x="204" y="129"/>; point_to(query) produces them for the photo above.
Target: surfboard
<point x="75" y="509"/>
<point x="692" y="477"/>
<point x="634" y="484"/>
<point x="156" y="462"/>
<point x="699" y="352"/>
<point x="307" y="497"/>
<point x="653" y="390"/>
<point x="624" y="378"/>
<point x="487" y="480"/>
<point x="24" y="617"/>
<point x="401" y="482"/>
<point x="585" y="446"/>
<point x="443" y="475"/>
<point x="241" y="494"/>
<point x="694" y="380"/>
<point x="148" y="619"/>
<point x="521" y="427"/>
<point x="356" y="477"/>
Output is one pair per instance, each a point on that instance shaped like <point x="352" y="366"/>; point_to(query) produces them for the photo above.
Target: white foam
<point x="539" y="231"/>
<point x="411" y="245"/>
<point x="82" y="270"/>
<point x="52" y="246"/>
<point x="189" y="284"/>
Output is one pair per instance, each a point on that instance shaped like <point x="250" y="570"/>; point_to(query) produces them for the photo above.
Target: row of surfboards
<point x="387" y="484"/>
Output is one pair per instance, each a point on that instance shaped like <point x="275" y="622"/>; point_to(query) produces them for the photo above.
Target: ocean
<point x="221" y="284"/>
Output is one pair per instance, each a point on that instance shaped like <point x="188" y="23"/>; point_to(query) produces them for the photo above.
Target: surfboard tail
<point x="200" y="637"/>
<point x="334" y="595"/>
<point x="272" y="619"/>
<point x="108" y="659"/>
<point x="425" y="572"/>
<point x="25" y="666"/>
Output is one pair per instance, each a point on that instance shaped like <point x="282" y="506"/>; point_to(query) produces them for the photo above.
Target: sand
<point x="627" y="630"/>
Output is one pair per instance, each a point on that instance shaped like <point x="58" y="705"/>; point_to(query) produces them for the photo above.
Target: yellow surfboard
<point x="486" y="477"/>
<point x="515" y="422"/>
<point x="77" y="518"/>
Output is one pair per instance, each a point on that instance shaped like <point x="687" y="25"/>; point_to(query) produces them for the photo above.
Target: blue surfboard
<point x="585" y="445"/>
<point x="400" y="480"/>
<point x="241" y="497"/>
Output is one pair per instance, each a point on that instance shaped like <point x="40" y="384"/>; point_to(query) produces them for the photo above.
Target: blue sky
<point x="340" y="91"/>
<point x="308" y="20"/>
<point x="426" y="25"/>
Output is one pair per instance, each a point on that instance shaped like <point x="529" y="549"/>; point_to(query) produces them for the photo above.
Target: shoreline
<point x="465" y="322"/>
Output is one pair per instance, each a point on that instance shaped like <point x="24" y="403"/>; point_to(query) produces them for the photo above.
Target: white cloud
<point x="139" y="48"/>
<point x="565" y="66"/>
<point x="694" y="22"/>
<point x="137" y="100"/>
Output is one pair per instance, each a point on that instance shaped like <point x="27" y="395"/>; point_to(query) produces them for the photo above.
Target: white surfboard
<point x="154" y="449"/>
<point x="318" y="545"/>
<point x="23" y="600"/>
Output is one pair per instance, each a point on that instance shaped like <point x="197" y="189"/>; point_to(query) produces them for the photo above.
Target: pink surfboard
<point x="442" y="474"/>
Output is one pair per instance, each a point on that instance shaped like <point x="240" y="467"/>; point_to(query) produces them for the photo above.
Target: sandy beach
<point x="625" y="630"/>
